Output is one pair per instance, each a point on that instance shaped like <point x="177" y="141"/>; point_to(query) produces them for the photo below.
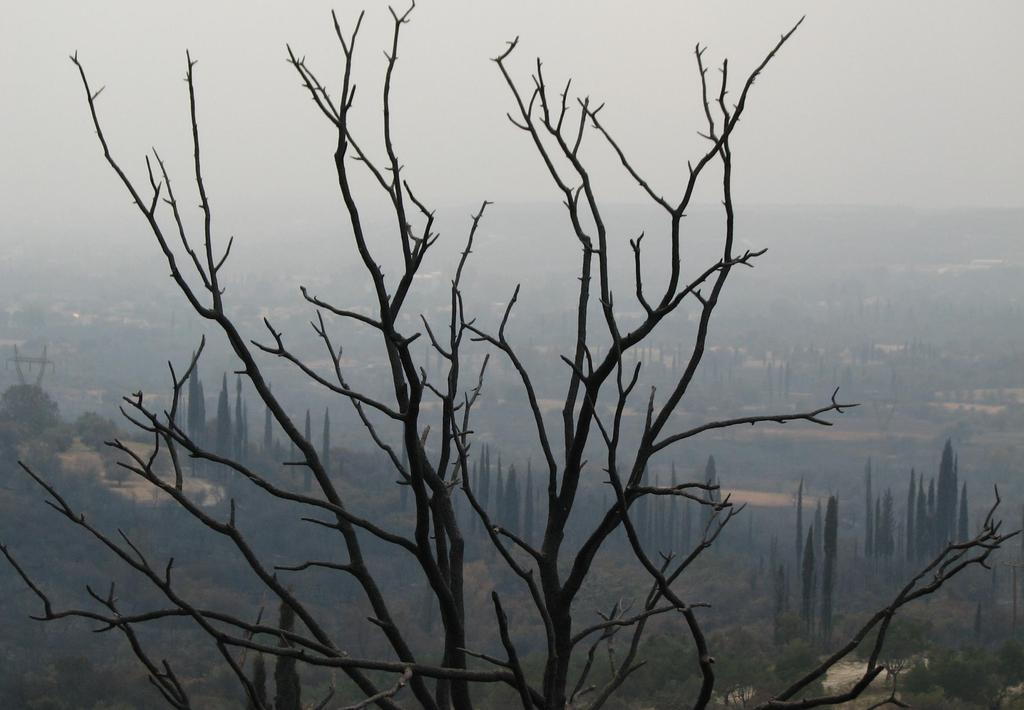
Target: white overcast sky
<point x="905" y="103"/>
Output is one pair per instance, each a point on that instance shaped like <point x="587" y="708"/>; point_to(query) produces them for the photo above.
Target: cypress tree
<point x="307" y="478"/>
<point x="485" y="478"/>
<point x="945" y="498"/>
<point x="711" y="479"/>
<point x="325" y="449"/>
<point x="673" y="515"/>
<point x="288" y="689"/>
<point x="799" y="522"/>
<point x="687" y="524"/>
<point x="245" y="429"/>
<point x="888" y="542"/>
<point x="956" y="487"/>
<point x="921" y="523"/>
<point x="511" y="500"/>
<point x="528" y="521"/>
<point x="869" y="515"/>
<point x="809" y="583"/>
<point x="829" y="574"/>
<point x="818" y="537"/>
<point x="652" y="520"/>
<point x="192" y="413"/>
<point x="640" y="519"/>
<point x="911" y="551"/>
<point x="877" y="541"/>
<point x="224" y="420"/>
<point x="200" y="414"/>
<point x="963" y="532"/>
<point x="268" y="432"/>
<point x="779" y="579"/>
<point x="403" y="487"/>
<point x="259" y="684"/>
<point x="456" y="501"/>
<point x="239" y="437"/>
<point x="658" y="517"/>
<point x="499" y="492"/>
<point x="933" y="536"/>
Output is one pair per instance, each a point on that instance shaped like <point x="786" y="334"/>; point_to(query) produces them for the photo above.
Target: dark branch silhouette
<point x="598" y="392"/>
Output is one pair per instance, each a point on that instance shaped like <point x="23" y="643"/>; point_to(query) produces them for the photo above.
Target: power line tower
<point x="42" y="362"/>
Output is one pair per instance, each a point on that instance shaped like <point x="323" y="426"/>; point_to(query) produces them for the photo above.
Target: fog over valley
<point x="506" y="382"/>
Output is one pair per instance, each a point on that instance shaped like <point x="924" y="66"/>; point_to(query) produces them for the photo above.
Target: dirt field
<point x="764" y="499"/>
<point x="81" y="460"/>
<point x="845" y="674"/>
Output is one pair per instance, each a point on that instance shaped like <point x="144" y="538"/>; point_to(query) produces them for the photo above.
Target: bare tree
<point x="598" y="391"/>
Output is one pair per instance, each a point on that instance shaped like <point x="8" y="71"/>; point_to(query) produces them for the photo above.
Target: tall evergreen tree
<point x="922" y="540"/>
<point x="511" y="500"/>
<point x="869" y="513"/>
<point x="809" y="582"/>
<point x="911" y="539"/>
<point x="962" y="530"/>
<point x="268" y="431"/>
<point x="307" y="477"/>
<point x="224" y="420"/>
<point x="799" y="523"/>
<point x="485" y="478"/>
<point x="288" y="689"/>
<point x="200" y="435"/>
<point x="657" y="517"/>
<point x="711" y="479"/>
<point x="325" y="449"/>
<point x="876" y="545"/>
<point x="885" y="541"/>
<point x="192" y="422"/>
<point x="781" y="601"/>
<point x="640" y="519"/>
<point x="956" y="487"/>
<point x="818" y="536"/>
<point x="687" y="524"/>
<point x="828" y="578"/>
<point x="673" y="515"/>
<point x="245" y="430"/>
<point x="259" y="684"/>
<point x="977" y="623"/>
<point x="933" y="533"/>
<point x="403" y="488"/>
<point x="499" y="492"/>
<point x="945" y="498"/>
<point x="239" y="438"/>
<point x="528" y="513"/>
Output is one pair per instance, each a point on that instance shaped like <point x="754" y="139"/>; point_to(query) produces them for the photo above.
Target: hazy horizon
<point x="867" y="105"/>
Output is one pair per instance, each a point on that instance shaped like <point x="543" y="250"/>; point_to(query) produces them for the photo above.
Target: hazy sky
<point x="909" y="103"/>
